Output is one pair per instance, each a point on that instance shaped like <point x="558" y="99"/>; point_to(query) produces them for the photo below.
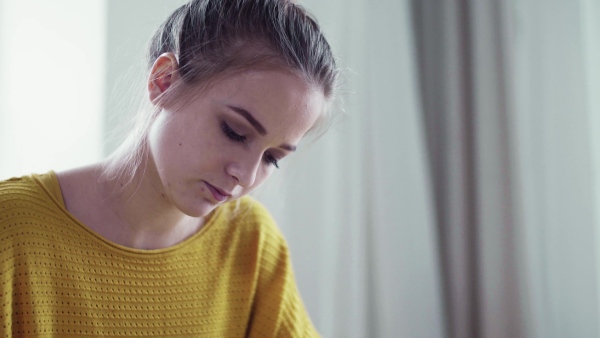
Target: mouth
<point x="217" y="193"/>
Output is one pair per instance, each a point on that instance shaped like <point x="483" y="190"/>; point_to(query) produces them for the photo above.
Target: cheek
<point x="177" y="150"/>
<point x="198" y="146"/>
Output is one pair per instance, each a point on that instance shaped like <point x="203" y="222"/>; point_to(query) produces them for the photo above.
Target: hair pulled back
<point x="213" y="38"/>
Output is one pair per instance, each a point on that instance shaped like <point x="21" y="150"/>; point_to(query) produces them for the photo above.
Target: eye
<point x="271" y="160"/>
<point x="231" y="133"/>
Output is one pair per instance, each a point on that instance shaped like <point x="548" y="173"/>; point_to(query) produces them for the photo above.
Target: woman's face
<point x="229" y="138"/>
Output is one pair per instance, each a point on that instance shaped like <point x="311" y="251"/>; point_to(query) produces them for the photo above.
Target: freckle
<point x="163" y="195"/>
<point x="180" y="144"/>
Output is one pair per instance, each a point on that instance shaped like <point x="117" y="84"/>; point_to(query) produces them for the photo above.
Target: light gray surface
<point x="130" y="25"/>
<point x="559" y="266"/>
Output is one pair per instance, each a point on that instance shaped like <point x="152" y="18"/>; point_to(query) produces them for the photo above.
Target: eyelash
<point x="232" y="135"/>
<point x="271" y="160"/>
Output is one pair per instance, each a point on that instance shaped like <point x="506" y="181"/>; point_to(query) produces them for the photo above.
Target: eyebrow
<point x="259" y="127"/>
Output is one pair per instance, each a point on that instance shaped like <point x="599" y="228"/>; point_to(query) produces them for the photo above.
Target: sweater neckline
<point x="49" y="184"/>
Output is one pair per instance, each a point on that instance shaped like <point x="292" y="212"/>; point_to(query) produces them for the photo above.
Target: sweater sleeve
<point x="278" y="310"/>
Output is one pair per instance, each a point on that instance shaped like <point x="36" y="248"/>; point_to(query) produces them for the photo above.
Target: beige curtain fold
<point x="507" y="90"/>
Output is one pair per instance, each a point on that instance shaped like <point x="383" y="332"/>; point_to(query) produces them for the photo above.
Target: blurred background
<point x="458" y="196"/>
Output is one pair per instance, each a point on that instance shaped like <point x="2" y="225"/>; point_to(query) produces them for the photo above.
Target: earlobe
<point x="163" y="74"/>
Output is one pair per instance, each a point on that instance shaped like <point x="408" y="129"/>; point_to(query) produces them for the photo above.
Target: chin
<point x="197" y="209"/>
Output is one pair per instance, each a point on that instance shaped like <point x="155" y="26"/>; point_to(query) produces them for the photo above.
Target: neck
<point x="146" y="218"/>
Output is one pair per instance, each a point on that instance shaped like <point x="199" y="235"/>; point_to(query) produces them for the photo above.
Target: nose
<point x="244" y="170"/>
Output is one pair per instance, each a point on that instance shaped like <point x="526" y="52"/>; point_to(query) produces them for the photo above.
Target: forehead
<point x="281" y="101"/>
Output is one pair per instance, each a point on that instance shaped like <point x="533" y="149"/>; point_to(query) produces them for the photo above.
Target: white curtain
<point x="555" y="125"/>
<point x="459" y="198"/>
<point x="510" y="103"/>
<point x="357" y="206"/>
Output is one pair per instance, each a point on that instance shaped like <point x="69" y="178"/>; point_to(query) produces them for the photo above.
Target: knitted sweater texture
<point x="58" y="278"/>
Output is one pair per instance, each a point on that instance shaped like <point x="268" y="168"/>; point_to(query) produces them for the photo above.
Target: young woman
<point x="159" y="239"/>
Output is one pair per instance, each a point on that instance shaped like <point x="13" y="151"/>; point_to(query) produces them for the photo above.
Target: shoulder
<point x="18" y="190"/>
<point x="278" y="309"/>
<point x="23" y="198"/>
<point x="15" y="183"/>
<point x="248" y="214"/>
<point x="274" y="254"/>
<point x="27" y="186"/>
<point x="249" y="227"/>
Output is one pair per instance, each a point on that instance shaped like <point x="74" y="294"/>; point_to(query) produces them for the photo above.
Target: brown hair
<point x="215" y="36"/>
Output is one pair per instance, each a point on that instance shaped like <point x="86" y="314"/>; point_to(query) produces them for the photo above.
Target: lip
<point x="217" y="193"/>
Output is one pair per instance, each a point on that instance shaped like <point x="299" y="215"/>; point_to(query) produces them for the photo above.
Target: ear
<point x="163" y="74"/>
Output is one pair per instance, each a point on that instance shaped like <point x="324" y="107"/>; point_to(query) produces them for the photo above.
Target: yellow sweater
<point x="60" y="279"/>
